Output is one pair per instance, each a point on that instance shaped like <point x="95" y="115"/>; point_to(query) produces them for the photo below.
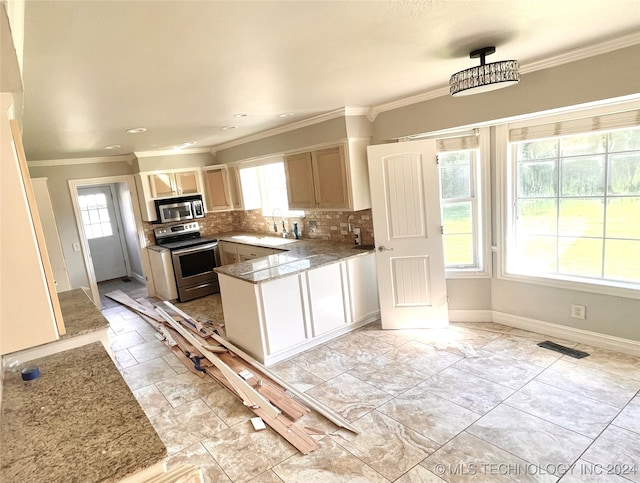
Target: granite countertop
<point x="77" y="422"/>
<point x="300" y="255"/>
<point x="157" y="248"/>
<point x="79" y="314"/>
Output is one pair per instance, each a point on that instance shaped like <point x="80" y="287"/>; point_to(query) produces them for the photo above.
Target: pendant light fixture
<point x="485" y="77"/>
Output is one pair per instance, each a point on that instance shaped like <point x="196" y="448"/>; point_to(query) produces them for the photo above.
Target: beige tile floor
<point x="426" y="410"/>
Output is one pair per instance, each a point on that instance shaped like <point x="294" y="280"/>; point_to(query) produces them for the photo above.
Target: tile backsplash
<point x="327" y="225"/>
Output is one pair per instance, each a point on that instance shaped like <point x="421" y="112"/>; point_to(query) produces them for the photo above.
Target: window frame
<point x="481" y="210"/>
<point x="506" y="219"/>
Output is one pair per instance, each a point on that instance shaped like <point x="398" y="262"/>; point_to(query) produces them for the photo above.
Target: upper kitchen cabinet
<point x="174" y="183"/>
<point x="217" y="188"/>
<point x="332" y="178"/>
<point x="165" y="184"/>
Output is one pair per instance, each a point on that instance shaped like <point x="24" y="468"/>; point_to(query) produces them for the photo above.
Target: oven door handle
<point x="197" y="248"/>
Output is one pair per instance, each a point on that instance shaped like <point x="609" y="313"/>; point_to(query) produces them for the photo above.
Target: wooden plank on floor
<point x="264" y="386"/>
<point x="289" y="431"/>
<point x="121" y="297"/>
<point x="186" y="361"/>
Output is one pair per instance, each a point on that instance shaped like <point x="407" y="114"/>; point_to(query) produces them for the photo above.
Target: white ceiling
<point x="183" y="69"/>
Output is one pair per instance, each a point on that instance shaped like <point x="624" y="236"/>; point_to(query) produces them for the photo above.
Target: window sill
<point x="466" y="273"/>
<point x="627" y="290"/>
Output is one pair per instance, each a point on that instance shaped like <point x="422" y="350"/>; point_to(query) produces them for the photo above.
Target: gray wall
<point x="58" y="182"/>
<point x="330" y="131"/>
<point x="596" y="78"/>
<point x="173" y="161"/>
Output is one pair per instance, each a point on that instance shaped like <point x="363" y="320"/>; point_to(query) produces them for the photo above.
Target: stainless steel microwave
<point x="182" y="208"/>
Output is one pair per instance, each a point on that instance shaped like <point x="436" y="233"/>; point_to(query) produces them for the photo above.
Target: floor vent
<point x="125" y="279"/>
<point x="563" y="350"/>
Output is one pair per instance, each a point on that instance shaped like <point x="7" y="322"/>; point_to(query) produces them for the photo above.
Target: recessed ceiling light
<point x="227" y="128"/>
<point x="113" y="146"/>
<point x="286" y="114"/>
<point x="238" y="116"/>
<point x="137" y="130"/>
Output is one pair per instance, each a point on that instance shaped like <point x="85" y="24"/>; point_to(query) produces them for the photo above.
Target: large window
<point x="575" y="206"/>
<point x="461" y="204"/>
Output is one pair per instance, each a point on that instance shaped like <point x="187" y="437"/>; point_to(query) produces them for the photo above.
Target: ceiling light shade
<point x="485" y="77"/>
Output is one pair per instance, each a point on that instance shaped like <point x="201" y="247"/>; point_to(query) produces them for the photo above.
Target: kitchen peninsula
<point x="282" y="304"/>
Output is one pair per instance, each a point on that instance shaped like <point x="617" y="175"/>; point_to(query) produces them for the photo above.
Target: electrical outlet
<point x="578" y="311"/>
<point x="76" y="247"/>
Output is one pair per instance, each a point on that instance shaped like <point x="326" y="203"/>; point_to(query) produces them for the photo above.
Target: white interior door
<point x="406" y="224"/>
<point x="101" y="229"/>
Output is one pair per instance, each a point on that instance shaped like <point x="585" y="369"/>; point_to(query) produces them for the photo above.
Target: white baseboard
<point x="595" y="339"/>
<point x="471" y="315"/>
<point x="138" y="277"/>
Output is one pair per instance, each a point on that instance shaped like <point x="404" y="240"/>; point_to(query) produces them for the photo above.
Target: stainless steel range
<point x="194" y="259"/>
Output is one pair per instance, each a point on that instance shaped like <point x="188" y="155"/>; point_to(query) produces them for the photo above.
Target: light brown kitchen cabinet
<point x="217" y="191"/>
<point x="174" y="184"/>
<point x="300" y="185"/>
<point x="165" y="184"/>
<point x="332" y="178"/>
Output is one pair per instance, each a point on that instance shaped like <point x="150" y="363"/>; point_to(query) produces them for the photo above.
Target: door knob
<point x="384" y="249"/>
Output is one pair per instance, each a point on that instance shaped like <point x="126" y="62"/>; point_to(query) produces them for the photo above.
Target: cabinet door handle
<point x="384" y="249"/>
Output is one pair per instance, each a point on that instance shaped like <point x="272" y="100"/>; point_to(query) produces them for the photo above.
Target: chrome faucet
<point x="273" y="219"/>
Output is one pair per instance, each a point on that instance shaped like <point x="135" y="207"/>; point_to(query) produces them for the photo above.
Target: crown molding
<point x="125" y="158"/>
<point x="327" y="116"/>
<point x="171" y="152"/>
<point x="579" y="53"/>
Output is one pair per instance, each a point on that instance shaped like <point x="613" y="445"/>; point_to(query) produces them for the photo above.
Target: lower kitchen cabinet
<point x="327" y="301"/>
<point x="239" y="252"/>
<point x="162" y="273"/>
<point x="281" y="317"/>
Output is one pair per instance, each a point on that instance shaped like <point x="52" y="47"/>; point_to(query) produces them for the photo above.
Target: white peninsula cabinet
<point x="279" y="317"/>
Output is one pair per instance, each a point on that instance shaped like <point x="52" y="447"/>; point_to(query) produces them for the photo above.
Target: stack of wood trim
<point x="258" y="389"/>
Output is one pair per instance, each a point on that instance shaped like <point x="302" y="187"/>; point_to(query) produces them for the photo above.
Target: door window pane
<point x="95" y="215"/>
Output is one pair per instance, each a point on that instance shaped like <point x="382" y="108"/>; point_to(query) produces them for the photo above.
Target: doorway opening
<point x="111" y="234"/>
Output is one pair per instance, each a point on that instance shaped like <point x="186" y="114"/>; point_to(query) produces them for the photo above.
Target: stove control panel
<point x="182" y="228"/>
